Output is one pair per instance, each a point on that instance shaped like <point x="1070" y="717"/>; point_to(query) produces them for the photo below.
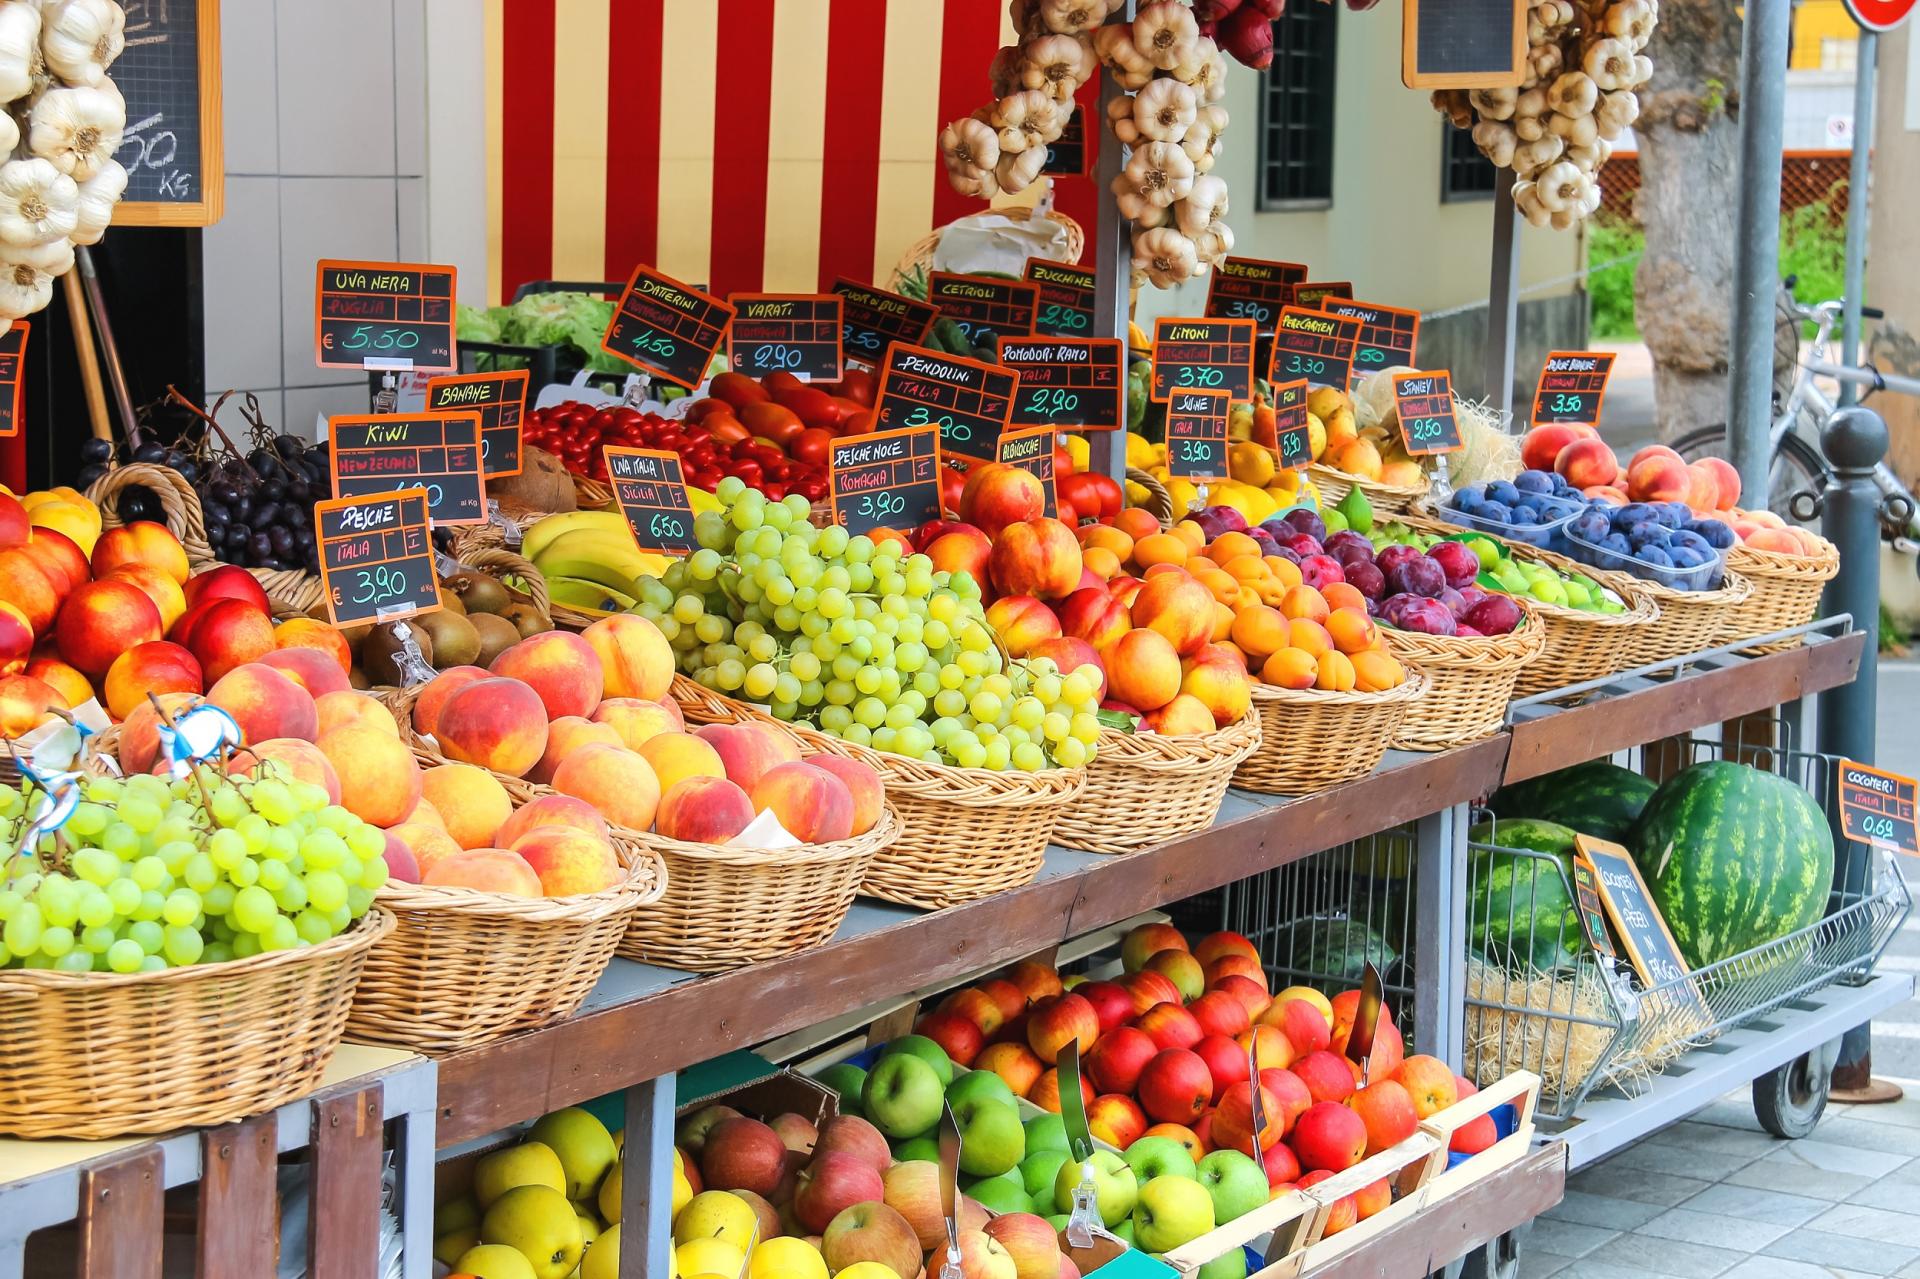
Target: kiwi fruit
<point x="527" y="619"/>
<point x="450" y="600"/>
<point x="381" y="651"/>
<point x="455" y="642"/>
<point x="479" y="593"/>
<point x="496" y="635"/>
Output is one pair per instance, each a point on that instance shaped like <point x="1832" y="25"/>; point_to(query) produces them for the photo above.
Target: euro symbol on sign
<point x="326" y="341"/>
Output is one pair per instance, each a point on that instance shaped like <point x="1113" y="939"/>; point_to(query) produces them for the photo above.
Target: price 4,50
<point x="653" y="344"/>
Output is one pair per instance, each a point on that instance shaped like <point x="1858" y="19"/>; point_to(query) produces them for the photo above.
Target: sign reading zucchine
<point x="667" y="328"/>
<point x="383" y="315"/>
<point x="1066" y="298"/>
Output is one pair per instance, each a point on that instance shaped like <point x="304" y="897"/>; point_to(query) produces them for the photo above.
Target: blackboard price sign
<point x="440" y="452"/>
<point x="13" y="383"/>
<point x="983" y="307"/>
<point x="873" y="319"/>
<point x="1572" y="386"/>
<point x="1315" y="346"/>
<point x="1463" y="44"/>
<point x="890" y="479"/>
<point x="376" y="557"/>
<point x="968" y="402"/>
<point x="1388" y="334"/>
<point x="1593" y="915"/>
<point x="1425" y="405"/>
<point x="667" y="328"/>
<point x="1197" y="434"/>
<point x="651" y="491"/>
<point x="1067" y="154"/>
<point x="786" y="333"/>
<point x="1253" y="289"/>
<point x="1032" y="451"/>
<point x="1876" y="807"/>
<point x="1311" y="294"/>
<point x="1203" y="355"/>
<point x="500" y="399"/>
<point x="1066" y="298"/>
<point x="1076" y="382"/>
<point x="383" y="315"/>
<point x="1638" y="922"/>
<point x="1292" y="444"/>
<point x="172" y="148"/>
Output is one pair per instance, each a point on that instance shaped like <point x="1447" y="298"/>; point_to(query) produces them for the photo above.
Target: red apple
<point x="1329" y="1137"/>
<point x="1170" y="1026"/>
<point x="1111" y="1003"/>
<point x="1117" y="1058"/>
<point x="1327" y="1077"/>
<point x="830" y="1183"/>
<point x="1175" y="1086"/>
<point x="1226" y="1062"/>
<point x="1056" y="1020"/>
<point x="960" y="1038"/>
<point x="1388" y="1113"/>
<point x="1220" y="1014"/>
<point x="1116" y="1120"/>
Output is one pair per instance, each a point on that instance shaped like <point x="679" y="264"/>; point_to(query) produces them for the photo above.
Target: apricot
<point x="1350" y="630"/>
<point x="1143" y="669"/>
<point x="496" y="723"/>
<point x="812" y="804"/>
<point x="552" y="810"/>
<point x="379" y="778"/>
<point x="299" y="760"/>
<point x="862" y="783"/>
<point x="225" y="634"/>
<point x="1335" y="673"/>
<point x="1375" y="671"/>
<point x="352" y="707"/>
<point x="617" y="782"/>
<point x="428" y="843"/>
<point x="704" y="810"/>
<point x="561" y="667"/>
<point x="141" y="542"/>
<point x="570" y="733"/>
<point x="426" y="707"/>
<point x="1192" y="534"/>
<point x="1230" y="546"/>
<point x="675" y="757"/>
<point x="265" y="703"/>
<point x="1291" y="668"/>
<point x="165" y="593"/>
<point x="157" y="667"/>
<point x="1283" y="569"/>
<point x="1259" y="631"/>
<point x="310" y="668"/>
<point x="1159" y="548"/>
<point x="72" y="686"/>
<point x="1107" y="536"/>
<point x="1304" y="602"/>
<point x="471" y="803"/>
<point x="568" y="860"/>
<point x="486" y="870"/>
<point x="101" y="620"/>
<point x="1100" y="561"/>
<point x="1136" y="523"/>
<point x="1343" y="595"/>
<point x="311" y="632"/>
<point x="1246" y="568"/>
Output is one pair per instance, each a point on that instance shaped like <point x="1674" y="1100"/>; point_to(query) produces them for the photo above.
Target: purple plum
<point x="1472" y="594"/>
<point x="1398" y="553"/>
<point x="1286" y="553"/>
<point x="1349" y="555"/>
<point x="1308" y="522"/>
<point x="1303" y="544"/>
<point x="1346" y="537"/>
<point x="1462" y="631"/>
<point x="1456" y="602"/>
<point x="1457" y="561"/>
<point x="1367" y="579"/>
<point x="1494" y="615"/>
<point x="1230" y="519"/>
<point x="1417" y="575"/>
<point x="1321" y="570"/>
<point x="1426" y="617"/>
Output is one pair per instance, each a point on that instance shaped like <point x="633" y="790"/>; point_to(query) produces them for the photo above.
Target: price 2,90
<point x="378" y="585"/>
<point x="1062" y="317"/>
<point x="769" y="356"/>
<point x="1053" y="400"/>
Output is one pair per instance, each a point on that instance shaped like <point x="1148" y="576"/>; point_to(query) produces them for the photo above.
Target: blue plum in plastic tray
<point x="1662" y="542"/>
<point x="1532" y="507"/>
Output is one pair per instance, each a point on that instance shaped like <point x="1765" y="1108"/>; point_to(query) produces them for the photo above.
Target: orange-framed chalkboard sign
<point x="1463" y="44"/>
<point x="874" y="319"/>
<point x="968" y="402"/>
<point x="1314" y="345"/>
<point x="1253" y="289"/>
<point x="1424" y="403"/>
<point x="384" y="315"/>
<point x="1197" y="434"/>
<point x="797" y="333"/>
<point x="890" y="479"/>
<point x="667" y="328"/>
<point x="1203" y="355"/>
<point x="376" y="557"/>
<point x="1292" y="441"/>
<point x="650" y="489"/>
<point x="439" y="452"/>
<point x="1389" y="335"/>
<point x="985" y="307"/>
<point x="172" y="149"/>
<point x="1066" y="298"/>
<point x="13" y="376"/>
<point x="1031" y="450"/>
<point x="501" y="401"/>
<point x="1572" y="387"/>
<point x="1067" y="382"/>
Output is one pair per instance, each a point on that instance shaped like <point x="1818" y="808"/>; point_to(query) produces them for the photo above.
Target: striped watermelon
<point x="1520" y="910"/>
<point x="1595" y="798"/>
<point x="1734" y="858"/>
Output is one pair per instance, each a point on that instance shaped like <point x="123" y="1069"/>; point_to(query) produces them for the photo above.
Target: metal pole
<point x="1503" y="295"/>
<point x="1113" y="260"/>
<point x="1439" y="934"/>
<point x="646" y="1186"/>
<point x="1854" y="440"/>
<point x="1854" y="287"/>
<point x="1763" y="88"/>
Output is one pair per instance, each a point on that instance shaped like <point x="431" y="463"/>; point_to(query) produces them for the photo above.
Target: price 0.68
<point x="376" y="585"/>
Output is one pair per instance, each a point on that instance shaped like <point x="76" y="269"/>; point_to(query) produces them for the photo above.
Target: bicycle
<point x="1799" y="470"/>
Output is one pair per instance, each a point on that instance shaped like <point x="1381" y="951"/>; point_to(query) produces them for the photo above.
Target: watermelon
<point x="1734" y="858"/>
<point x="1332" y="947"/>
<point x="1520" y="910"/>
<point x="1595" y="798"/>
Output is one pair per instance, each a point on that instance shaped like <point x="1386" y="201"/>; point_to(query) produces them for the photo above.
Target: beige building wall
<point x="1893" y="240"/>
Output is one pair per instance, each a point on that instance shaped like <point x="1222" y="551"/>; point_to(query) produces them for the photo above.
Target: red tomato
<point x="815" y="407"/>
<point x="746" y="469"/>
<point x="951" y="483"/>
<point x="859" y="424"/>
<point x="1092" y="495"/>
<point x="737" y="389"/>
<point x="847" y="407"/>
<point x="1062" y="461"/>
<point x="811" y="445"/>
<point x="781" y="385"/>
<point x="858" y="385"/>
<point x="727" y="429"/>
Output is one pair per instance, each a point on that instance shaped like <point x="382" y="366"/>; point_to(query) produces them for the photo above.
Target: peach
<point x="73" y="687"/>
<point x="15" y="524"/>
<point x="486" y="870"/>
<point x="496" y="723"/>
<point x="1703" y="487"/>
<point x="26" y="586"/>
<point x="617" y="782"/>
<point x="1022" y="622"/>
<point x="1184" y="716"/>
<point x="1218" y="678"/>
<point x="561" y="667"/>
<point x="16" y="640"/>
<point x="227" y="633"/>
<point x="703" y="810"/>
<point x="1094" y="617"/>
<point x="1586" y="463"/>
<point x="473" y="805"/>
<point x="310" y="668"/>
<point x="436" y="691"/>
<point x="1136" y="523"/>
<point x="155" y="666"/>
<point x="746" y="751"/>
<point x="1726" y="482"/>
<point x="424" y="811"/>
<point x="301" y="760"/>
<point x="1035" y="557"/>
<point x="568" y="860"/>
<point x="341" y="708"/>
<point x="311" y="632"/>
<point x="428" y="843"/>
<point x="635" y="720"/>
<point x="1779" y="540"/>
<point x="674" y="757"/>
<point x="1356" y="457"/>
<point x="1540" y="447"/>
<point x="1070" y="654"/>
<point x="1658" y="477"/>
<point x="1143" y="669"/>
<point x="265" y="703"/>
<point x="1259" y="632"/>
<point x="552" y="810"/>
<point x="1178" y="607"/>
<point x="101" y="620"/>
<point x="62" y="560"/>
<point x="570" y="733"/>
<point x="379" y="778"/>
<point x="156" y="586"/>
<point x="25" y="702"/>
<point x="140" y="731"/>
<point x="998" y="494"/>
<point x="227" y="581"/>
<point x="862" y="783"/>
<point x="964" y="550"/>
<point x="141" y="542"/>
<point x="814" y="805"/>
<point x="1106" y="537"/>
<point x="635" y="658"/>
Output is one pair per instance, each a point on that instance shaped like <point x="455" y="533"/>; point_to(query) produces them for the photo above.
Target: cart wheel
<point x="1789" y="1101"/>
<point x="1496" y="1259"/>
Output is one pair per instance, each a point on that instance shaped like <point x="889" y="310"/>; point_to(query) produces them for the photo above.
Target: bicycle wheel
<point x="1797" y="465"/>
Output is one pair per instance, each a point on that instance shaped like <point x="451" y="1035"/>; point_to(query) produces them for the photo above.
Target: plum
<point x="1632" y="513"/>
<point x="1673" y="514"/>
<point x="1462" y="631"/>
<point x="1494" y="513"/>
<point x="1456" y="603"/>
<point x="1286" y="553"/>
<point x="1398" y="553"/>
<point x="1321" y="570"/>
<point x="1534" y="481"/>
<point x="1366" y="578"/>
<point x="1655" y="555"/>
<point x="1457" y="561"/>
<point x="1279" y="528"/>
<point x="1420" y="575"/>
<point x="1503" y="491"/>
<point x="1472" y="594"/>
<point x="1308" y="522"/>
<point x="1591" y="525"/>
<point x="1303" y="545"/>
<point x="1715" y="533"/>
<point x="1465" y="499"/>
<point x="1346" y="537"/>
<point x="1425" y="617"/>
<point x="1264" y="540"/>
<point x="1494" y="615"/>
<point x="1231" y="519"/>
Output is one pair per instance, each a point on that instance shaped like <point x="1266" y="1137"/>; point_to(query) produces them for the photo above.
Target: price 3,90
<point x="880" y="506"/>
<point x="376" y="585"/>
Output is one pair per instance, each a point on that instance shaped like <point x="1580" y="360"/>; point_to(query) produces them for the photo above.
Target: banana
<point x="591" y="555"/>
<point x="576" y="593"/>
<point x="542" y="533"/>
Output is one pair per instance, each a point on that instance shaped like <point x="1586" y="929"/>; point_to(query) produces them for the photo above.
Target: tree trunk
<point x="1689" y="142"/>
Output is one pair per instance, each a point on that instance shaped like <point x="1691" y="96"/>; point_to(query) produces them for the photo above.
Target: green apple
<point x="1151" y="1157"/>
<point x="1039" y="1169"/>
<point x="926" y="1050"/>
<point x="991" y="1139"/>
<point x="846" y="1079"/>
<point x="1046" y="1132"/>
<point x="1058" y="1220"/>
<point x="1123" y="1231"/>
<point x="902" y="1096"/>
<point x="1114" y="1186"/>
<point x="926" y="1146"/>
<point x="978" y="1083"/>
<point x="1238" y="1184"/>
<point x="1002" y="1194"/>
<point x="1232" y="1265"/>
<point x="1169" y="1212"/>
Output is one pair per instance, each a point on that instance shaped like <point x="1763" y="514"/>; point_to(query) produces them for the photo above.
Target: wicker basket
<point x="1387" y="499"/>
<point x="1144" y="789"/>
<point x="1159" y="501"/>
<point x="500" y="563"/>
<point x="1689" y="621"/>
<point x="1786" y="592"/>
<point x="920" y="256"/>
<point x="1469" y="682"/>
<point x="96" y="1055"/>
<point x="592" y="495"/>
<point x="725" y="907"/>
<point x="1310" y="740"/>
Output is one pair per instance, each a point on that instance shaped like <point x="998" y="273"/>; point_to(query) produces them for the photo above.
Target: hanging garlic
<point x="1544" y="63"/>
<point x="1026" y="119"/>
<point x="1497" y="141"/>
<point x="1163" y="31"/>
<point x="1127" y="197"/>
<point x="1642" y="70"/>
<point x="1590" y="158"/>
<point x="1453" y="104"/>
<point x="1616" y="113"/>
<point x="1214" y="244"/>
<point x="1160" y="172"/>
<point x="1168" y="257"/>
<point x="19" y="48"/>
<point x="1153" y="215"/>
<point x="970" y="149"/>
<point x="1204" y="206"/>
<point x="1531" y="157"/>
<point x="77" y="129"/>
<point x="1609" y="63"/>
<point x="1494" y="104"/>
<point x="81" y="38"/>
<point x="1630" y="20"/>
<point x="1120" y="120"/>
<point x="1526" y="198"/>
<point x="25" y="286"/>
<point x="1003" y="73"/>
<point x="38" y="203"/>
<point x="1529" y="115"/>
<point x="1573" y="94"/>
<point x="1578" y="131"/>
<point x="1202" y="140"/>
<point x="1021" y="14"/>
<point x="1562" y="186"/>
<point x="1196" y="68"/>
<point x="1072" y="17"/>
<point x="1164" y="109"/>
<point x="1058" y="66"/>
<point x="97" y="197"/>
<point x="9" y="132"/>
<point x="1016" y="172"/>
<point x="1114" y="47"/>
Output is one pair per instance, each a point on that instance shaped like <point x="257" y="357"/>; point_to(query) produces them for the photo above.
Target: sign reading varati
<point x="383" y="315"/>
<point x="667" y="328"/>
<point x="376" y="557"/>
<point x="786" y="333"/>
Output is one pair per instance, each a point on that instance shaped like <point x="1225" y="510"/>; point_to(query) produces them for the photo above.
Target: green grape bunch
<point x="860" y="639"/>
<point x="152" y="873"/>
